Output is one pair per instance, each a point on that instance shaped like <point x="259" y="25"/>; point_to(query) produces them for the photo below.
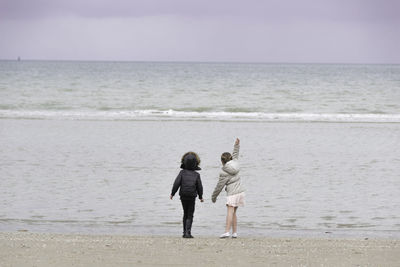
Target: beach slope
<point x="31" y="249"/>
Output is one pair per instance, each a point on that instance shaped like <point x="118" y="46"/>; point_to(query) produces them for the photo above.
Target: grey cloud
<point x="171" y="39"/>
<point x="355" y="31"/>
<point x="250" y="9"/>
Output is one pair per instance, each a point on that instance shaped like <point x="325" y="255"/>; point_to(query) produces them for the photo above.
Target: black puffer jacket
<point x="189" y="183"/>
<point x="188" y="180"/>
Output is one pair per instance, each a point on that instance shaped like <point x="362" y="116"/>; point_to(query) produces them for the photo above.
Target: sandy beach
<point x="32" y="249"/>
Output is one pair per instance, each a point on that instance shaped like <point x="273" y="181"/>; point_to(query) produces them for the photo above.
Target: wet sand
<point x="29" y="249"/>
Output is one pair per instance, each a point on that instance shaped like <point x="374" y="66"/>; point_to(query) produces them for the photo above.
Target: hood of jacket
<point x="190" y="163"/>
<point x="231" y="167"/>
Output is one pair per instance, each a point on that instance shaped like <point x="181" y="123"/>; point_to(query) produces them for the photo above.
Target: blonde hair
<point x="226" y="157"/>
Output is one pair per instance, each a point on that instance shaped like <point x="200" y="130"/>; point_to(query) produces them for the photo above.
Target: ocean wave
<point x="195" y="115"/>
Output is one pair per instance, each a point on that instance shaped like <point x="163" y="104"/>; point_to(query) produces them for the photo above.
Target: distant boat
<point x="18" y="59"/>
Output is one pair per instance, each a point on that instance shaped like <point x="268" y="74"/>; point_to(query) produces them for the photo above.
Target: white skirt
<point x="235" y="200"/>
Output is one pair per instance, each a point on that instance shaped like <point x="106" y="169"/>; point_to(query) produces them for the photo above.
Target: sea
<point x="94" y="147"/>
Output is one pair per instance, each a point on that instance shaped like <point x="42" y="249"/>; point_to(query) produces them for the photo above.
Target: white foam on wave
<point x="193" y="115"/>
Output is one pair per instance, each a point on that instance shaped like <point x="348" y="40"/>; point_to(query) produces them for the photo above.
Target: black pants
<point x="188" y="210"/>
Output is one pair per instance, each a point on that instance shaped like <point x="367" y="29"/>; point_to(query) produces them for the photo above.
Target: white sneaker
<point x="234" y="235"/>
<point x="226" y="235"/>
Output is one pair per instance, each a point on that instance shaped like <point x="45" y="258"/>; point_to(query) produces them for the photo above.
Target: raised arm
<point x="236" y="147"/>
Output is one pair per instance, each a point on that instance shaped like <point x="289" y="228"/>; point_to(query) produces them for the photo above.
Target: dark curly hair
<point x="190" y="161"/>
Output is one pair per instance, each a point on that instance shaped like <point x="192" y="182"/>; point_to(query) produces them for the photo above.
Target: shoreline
<point x="201" y="231"/>
<point x="47" y="249"/>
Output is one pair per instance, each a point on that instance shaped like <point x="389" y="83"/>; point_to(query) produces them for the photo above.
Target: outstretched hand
<point x="237" y="142"/>
<point x="171" y="196"/>
<point x="201" y="200"/>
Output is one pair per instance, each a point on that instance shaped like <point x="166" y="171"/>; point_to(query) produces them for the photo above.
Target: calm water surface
<point x="94" y="147"/>
<point x="96" y="176"/>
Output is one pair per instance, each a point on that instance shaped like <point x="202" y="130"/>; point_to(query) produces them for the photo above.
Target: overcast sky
<point x="321" y="31"/>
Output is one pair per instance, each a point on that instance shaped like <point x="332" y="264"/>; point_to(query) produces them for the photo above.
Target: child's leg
<point x="185" y="214"/>
<point x="190" y="212"/>
<point x="229" y="218"/>
<point x="234" y="221"/>
<point x="188" y="206"/>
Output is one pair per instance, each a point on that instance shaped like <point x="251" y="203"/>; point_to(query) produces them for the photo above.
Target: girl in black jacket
<point x="189" y="182"/>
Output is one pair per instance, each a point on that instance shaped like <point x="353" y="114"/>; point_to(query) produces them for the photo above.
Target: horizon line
<point x="19" y="59"/>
